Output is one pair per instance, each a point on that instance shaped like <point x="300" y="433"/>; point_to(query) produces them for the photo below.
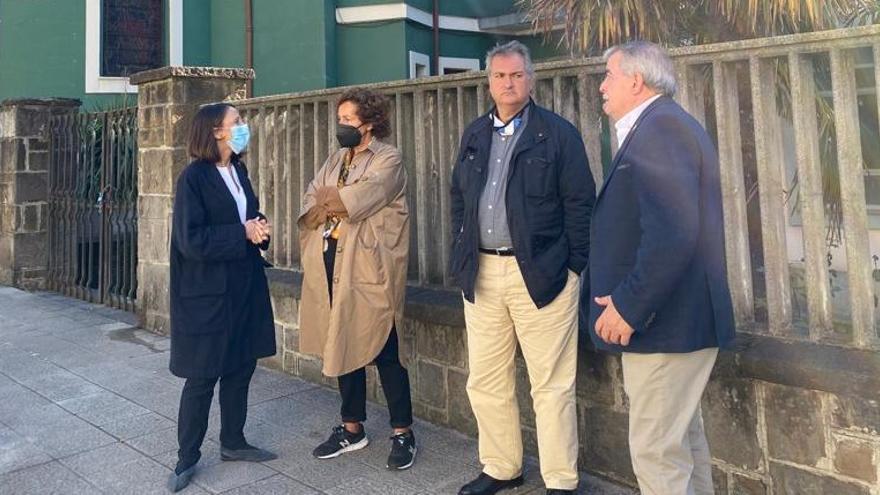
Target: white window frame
<point x="457" y="63"/>
<point x="94" y="81"/>
<point x="417" y="58"/>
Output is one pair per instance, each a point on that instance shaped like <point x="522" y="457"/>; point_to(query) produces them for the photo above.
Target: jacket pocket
<point x="538" y="176"/>
<point x="368" y="267"/>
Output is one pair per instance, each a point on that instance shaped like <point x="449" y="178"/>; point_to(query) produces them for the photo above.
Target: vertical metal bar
<point x="66" y="203"/>
<point x="104" y="212"/>
<point x="852" y="194"/>
<point x="739" y="263"/>
<point x="812" y="206"/>
<point x="771" y="183"/>
<point x="132" y="187"/>
<point x="103" y="209"/>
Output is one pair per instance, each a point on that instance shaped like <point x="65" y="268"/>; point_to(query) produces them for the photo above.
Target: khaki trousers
<point x="670" y="455"/>
<point x="502" y="315"/>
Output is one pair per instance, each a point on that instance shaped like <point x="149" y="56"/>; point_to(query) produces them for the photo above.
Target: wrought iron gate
<point x="93" y="206"/>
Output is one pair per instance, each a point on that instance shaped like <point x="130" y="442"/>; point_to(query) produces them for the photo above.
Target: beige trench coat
<point x="371" y="262"/>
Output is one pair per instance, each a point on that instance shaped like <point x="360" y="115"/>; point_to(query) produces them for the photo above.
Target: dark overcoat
<point x="221" y="314"/>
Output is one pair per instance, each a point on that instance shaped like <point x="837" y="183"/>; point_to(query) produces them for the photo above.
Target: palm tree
<point x="589" y="26"/>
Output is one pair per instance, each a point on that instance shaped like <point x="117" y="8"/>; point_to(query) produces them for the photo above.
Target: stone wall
<point x="781" y="417"/>
<point x="24" y="178"/>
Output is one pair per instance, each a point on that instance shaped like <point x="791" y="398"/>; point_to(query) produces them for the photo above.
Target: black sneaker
<point x="340" y="442"/>
<point x="403" y="451"/>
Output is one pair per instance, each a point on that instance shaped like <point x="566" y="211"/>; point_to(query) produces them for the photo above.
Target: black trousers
<point x="393" y="376"/>
<point x="195" y="404"/>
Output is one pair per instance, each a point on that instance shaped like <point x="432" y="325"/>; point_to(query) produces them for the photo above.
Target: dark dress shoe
<point x="247" y="454"/>
<point x="487" y="485"/>
<point x="179" y="481"/>
<point x="559" y="491"/>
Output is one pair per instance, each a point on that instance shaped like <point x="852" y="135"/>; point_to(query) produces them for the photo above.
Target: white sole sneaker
<point x="351" y="448"/>
<point x="407" y="466"/>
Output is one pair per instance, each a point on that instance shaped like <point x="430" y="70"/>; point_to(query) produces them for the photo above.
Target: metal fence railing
<point x="93" y="206"/>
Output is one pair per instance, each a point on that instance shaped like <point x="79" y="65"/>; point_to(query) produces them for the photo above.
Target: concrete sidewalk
<point x="87" y="405"/>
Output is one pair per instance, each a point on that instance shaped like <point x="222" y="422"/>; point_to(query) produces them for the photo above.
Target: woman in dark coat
<point x="221" y="315"/>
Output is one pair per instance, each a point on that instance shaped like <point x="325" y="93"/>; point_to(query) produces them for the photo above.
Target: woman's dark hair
<point x="202" y="143"/>
<point x="372" y="108"/>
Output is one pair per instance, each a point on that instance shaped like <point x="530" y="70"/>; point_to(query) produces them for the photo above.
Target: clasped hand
<point x="258" y="230"/>
<point x="327" y="203"/>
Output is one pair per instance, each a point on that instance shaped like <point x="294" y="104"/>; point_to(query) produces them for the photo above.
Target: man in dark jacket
<point x="657" y="271"/>
<point x="522" y="194"/>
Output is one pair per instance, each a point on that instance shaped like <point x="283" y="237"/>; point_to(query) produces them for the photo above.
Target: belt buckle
<point x="499" y="251"/>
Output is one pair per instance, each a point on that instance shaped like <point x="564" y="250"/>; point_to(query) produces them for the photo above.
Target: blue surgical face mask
<point x="239" y="136"/>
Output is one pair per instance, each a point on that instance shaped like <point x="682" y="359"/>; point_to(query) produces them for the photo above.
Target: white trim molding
<point x="457" y="63"/>
<point x="416" y="59"/>
<point x="94" y="81"/>
<point x="395" y="11"/>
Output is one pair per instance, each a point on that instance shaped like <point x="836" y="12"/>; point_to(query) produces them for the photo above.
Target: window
<point x="419" y="65"/>
<point x="126" y="36"/>
<point x="131" y="36"/>
<point x="454" y="65"/>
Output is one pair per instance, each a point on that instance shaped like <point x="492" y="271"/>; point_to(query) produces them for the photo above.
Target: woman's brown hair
<point x="372" y="108"/>
<point x="202" y="143"/>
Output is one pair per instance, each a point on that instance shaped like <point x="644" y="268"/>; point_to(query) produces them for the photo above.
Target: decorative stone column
<point x="24" y="180"/>
<point x="168" y="98"/>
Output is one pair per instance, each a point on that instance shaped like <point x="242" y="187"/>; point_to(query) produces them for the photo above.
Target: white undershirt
<point x="234" y="186"/>
<point x="626" y="123"/>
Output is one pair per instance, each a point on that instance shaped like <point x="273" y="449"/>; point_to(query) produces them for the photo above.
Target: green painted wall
<point x="42" y="51"/>
<point x="471" y="45"/>
<point x="294" y="45"/>
<point x="227" y="33"/>
<point x="475" y="8"/>
<point x="372" y="53"/>
<point x="462" y="8"/>
<point x="294" y="42"/>
<point x="297" y="44"/>
<point x="197" y="32"/>
<point x="357" y="3"/>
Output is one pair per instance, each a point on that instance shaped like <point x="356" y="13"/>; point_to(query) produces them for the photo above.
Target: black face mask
<point x="348" y="135"/>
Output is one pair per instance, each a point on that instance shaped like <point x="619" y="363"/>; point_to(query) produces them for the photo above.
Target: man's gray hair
<point x="511" y="48"/>
<point x="648" y="59"/>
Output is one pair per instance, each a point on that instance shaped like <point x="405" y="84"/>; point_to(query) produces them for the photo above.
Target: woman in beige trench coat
<point x="354" y="239"/>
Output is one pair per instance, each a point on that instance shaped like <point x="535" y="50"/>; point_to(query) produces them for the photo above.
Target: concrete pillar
<point x="24" y="179"/>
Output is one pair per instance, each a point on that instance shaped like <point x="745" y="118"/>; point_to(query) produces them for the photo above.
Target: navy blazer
<point x="657" y="237"/>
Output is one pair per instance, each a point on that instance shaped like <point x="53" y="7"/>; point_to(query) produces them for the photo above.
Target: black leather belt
<point x="498" y="252"/>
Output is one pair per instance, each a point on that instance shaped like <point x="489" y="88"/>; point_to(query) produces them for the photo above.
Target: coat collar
<point x="629" y="137"/>
<point x="534" y="132"/>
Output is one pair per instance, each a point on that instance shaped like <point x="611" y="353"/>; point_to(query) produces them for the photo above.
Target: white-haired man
<point x="657" y="272"/>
